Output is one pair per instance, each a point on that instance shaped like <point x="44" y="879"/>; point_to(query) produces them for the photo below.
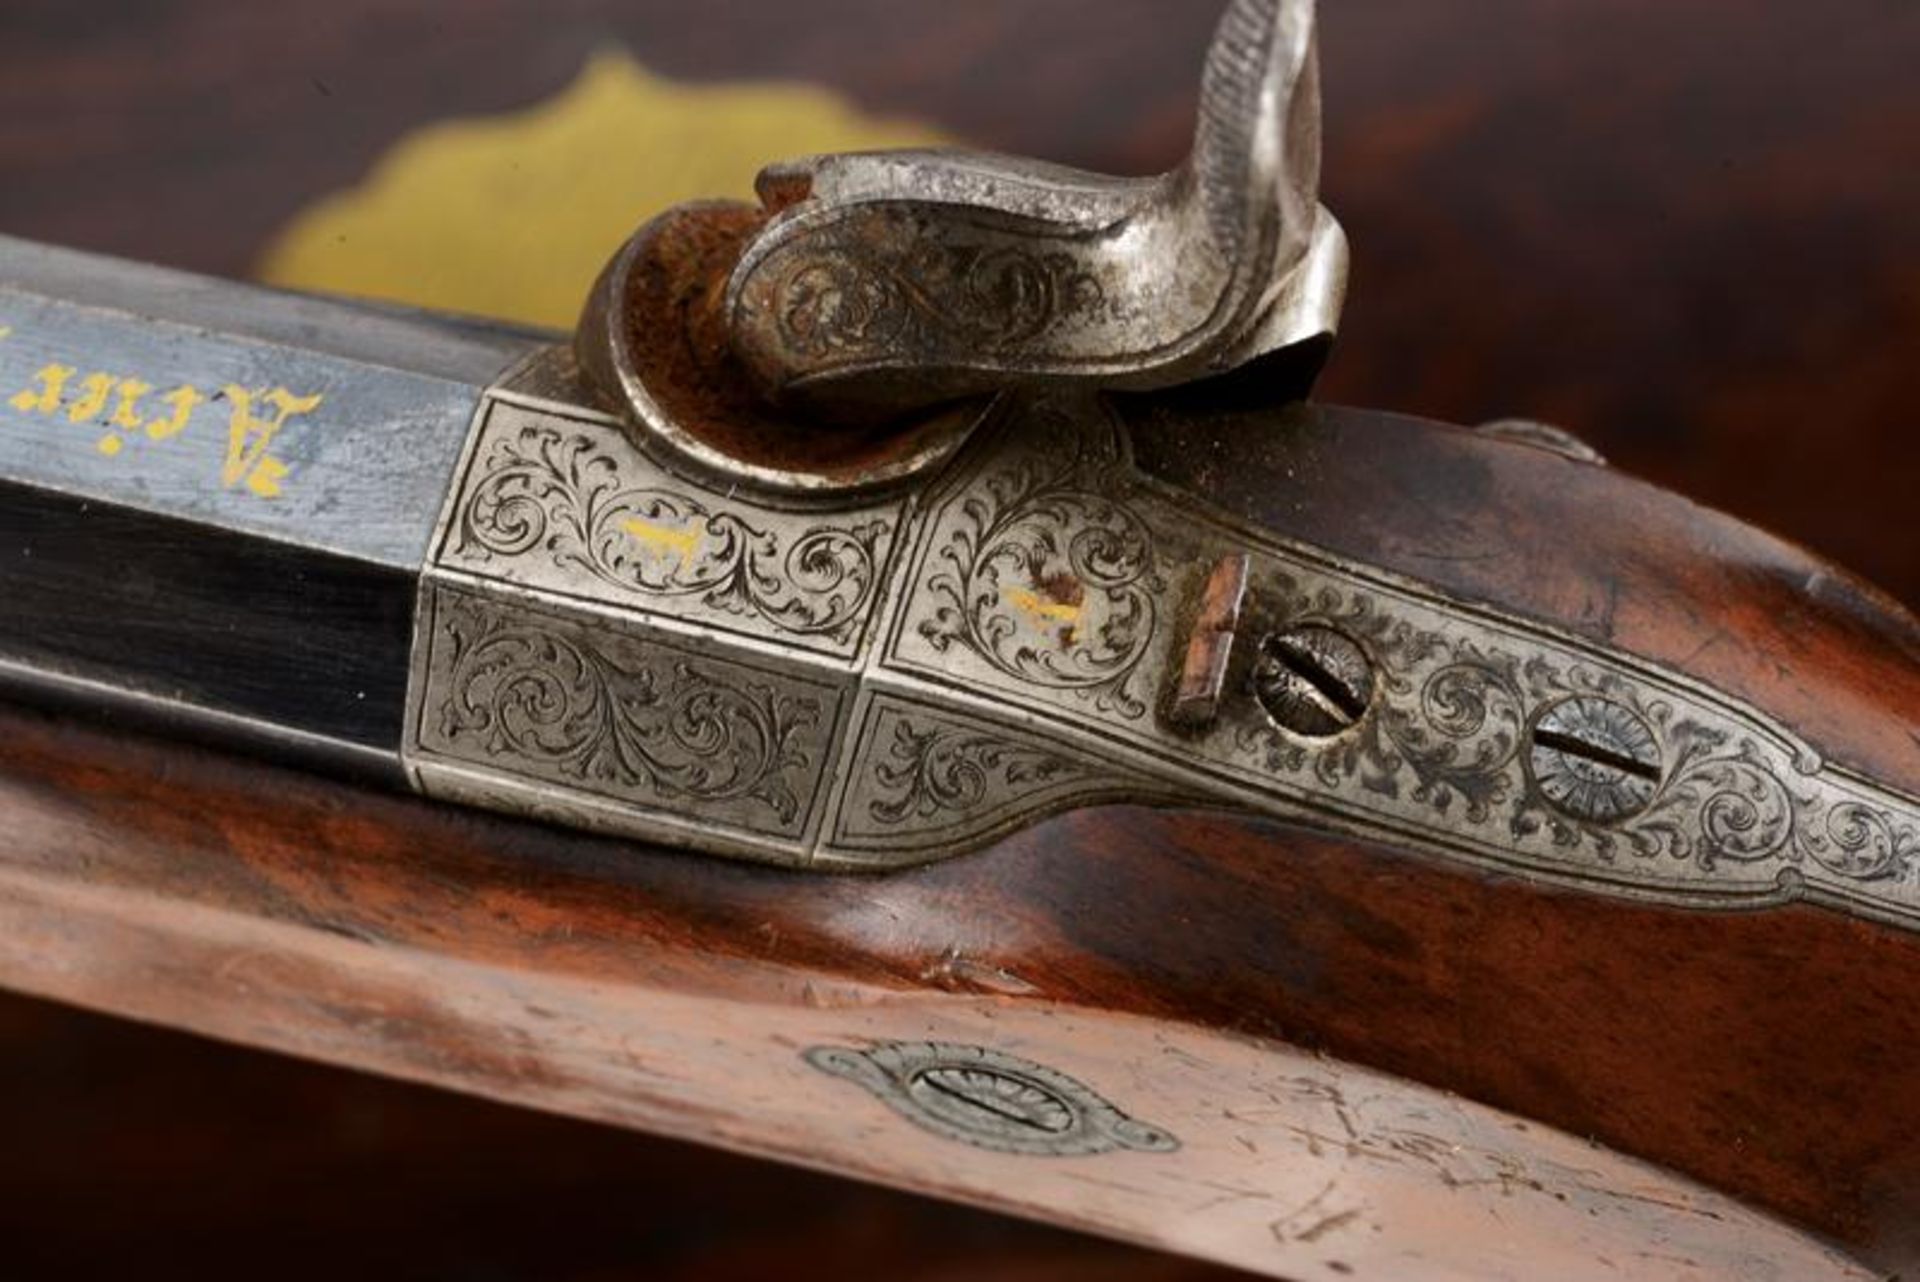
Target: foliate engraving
<point x="991" y="1100"/>
<point x="924" y="779"/>
<point x="842" y="300"/>
<point x="1028" y="669"/>
<point x="1621" y="777"/>
<point x="542" y="696"/>
<point x="943" y="770"/>
<point x="567" y="496"/>
<point x="906" y="280"/>
<point x="1445" y="722"/>
<point x="1391" y="710"/>
<point x="1854" y="839"/>
<point x="1042" y="569"/>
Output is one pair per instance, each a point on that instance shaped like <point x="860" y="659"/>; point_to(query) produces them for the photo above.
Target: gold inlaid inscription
<point x="131" y="409"/>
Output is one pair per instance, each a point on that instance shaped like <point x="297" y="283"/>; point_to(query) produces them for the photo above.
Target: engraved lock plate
<point x="695" y="645"/>
<point x="1469" y="734"/>
<point x="901" y="682"/>
<point x="605" y="644"/>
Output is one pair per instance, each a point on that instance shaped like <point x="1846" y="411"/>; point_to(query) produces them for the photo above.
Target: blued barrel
<point x="215" y="500"/>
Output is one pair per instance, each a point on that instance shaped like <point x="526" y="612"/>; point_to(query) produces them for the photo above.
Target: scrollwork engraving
<point x="538" y="695"/>
<point x="1048" y="575"/>
<point x="925" y="780"/>
<point x="935" y="296"/>
<point x="947" y="770"/>
<point x="1447" y="724"/>
<point x="1458" y="706"/>
<point x="1021" y="674"/>
<point x="558" y="492"/>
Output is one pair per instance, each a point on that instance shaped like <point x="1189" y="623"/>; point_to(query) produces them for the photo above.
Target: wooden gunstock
<point x="1375" y="1064"/>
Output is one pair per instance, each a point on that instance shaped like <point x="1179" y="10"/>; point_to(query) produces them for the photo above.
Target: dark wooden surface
<point x="137" y="1152"/>
<point x="1691" y="232"/>
<point x="654" y="990"/>
<point x="1766" y="1054"/>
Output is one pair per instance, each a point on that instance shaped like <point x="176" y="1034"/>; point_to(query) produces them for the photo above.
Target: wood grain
<point x="675" y="994"/>
<point x="1688" y="232"/>
<point x="136" y="1151"/>
<point x="1199" y="963"/>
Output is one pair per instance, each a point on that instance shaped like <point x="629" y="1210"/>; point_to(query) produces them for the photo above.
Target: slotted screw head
<point x="1313" y="680"/>
<point x="1594" y="759"/>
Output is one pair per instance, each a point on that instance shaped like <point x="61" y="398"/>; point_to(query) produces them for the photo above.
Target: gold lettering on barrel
<point x="131" y="390"/>
<point x="255" y="417"/>
<point x="51" y="381"/>
<point x="95" y="389"/>
<point x="183" y="401"/>
<point x="250" y="437"/>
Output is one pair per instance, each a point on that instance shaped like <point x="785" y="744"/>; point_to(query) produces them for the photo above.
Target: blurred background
<point x="1688" y="232"/>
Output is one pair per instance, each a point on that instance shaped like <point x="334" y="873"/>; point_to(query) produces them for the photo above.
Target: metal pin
<point x="1196" y="702"/>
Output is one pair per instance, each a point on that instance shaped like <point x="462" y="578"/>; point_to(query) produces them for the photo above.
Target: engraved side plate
<point x="613" y="726"/>
<point x="923" y="780"/>
<point x="1050" y="577"/>
<point x="1467" y="740"/>
<point x="560" y="500"/>
<point x="606" y="643"/>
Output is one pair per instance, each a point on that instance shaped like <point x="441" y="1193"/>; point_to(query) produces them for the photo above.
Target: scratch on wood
<point x="1320" y="1220"/>
<point x="958" y="973"/>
